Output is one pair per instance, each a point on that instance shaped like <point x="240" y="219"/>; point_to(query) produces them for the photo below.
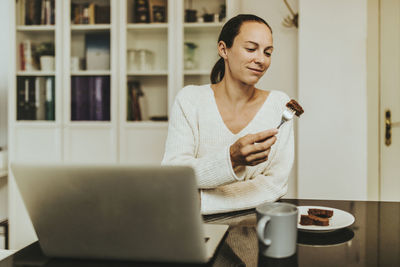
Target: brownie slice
<point x="293" y="105"/>
<point x="321" y="213"/>
<point x="319" y="221"/>
<point x="305" y="220"/>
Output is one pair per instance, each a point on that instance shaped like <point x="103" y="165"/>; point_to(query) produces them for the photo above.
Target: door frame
<point x="373" y="100"/>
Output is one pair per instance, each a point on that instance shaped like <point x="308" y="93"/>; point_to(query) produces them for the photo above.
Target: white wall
<point x="4" y="57"/>
<point x="332" y="133"/>
<point x="282" y="74"/>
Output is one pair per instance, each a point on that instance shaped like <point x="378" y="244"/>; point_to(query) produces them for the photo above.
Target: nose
<point x="260" y="58"/>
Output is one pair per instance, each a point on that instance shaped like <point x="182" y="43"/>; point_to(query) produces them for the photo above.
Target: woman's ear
<point x="222" y="49"/>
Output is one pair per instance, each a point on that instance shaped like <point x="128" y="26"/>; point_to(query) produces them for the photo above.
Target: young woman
<point x="226" y="130"/>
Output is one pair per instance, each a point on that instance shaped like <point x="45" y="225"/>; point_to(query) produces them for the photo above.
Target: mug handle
<point x="261" y="225"/>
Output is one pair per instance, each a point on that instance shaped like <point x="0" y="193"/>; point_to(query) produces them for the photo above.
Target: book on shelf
<point x="141" y="11"/>
<point x="23" y="97"/>
<point x="48" y="11"/>
<point x="21" y="12"/>
<point x="75" y="13"/>
<point x="50" y="99"/>
<point x="40" y="98"/>
<point x="21" y="57"/>
<point x="79" y="98"/>
<point x="134" y="93"/>
<point x="37" y="12"/>
<point x="102" y="14"/>
<point x="106" y="98"/>
<point x="97" y="47"/>
<point x="90" y="98"/>
<point x="158" y="11"/>
<point x="27" y="61"/>
<point x="35" y="98"/>
<point x="90" y="13"/>
<point x="98" y="106"/>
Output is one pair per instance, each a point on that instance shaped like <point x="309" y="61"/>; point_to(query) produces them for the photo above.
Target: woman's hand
<point x="252" y="149"/>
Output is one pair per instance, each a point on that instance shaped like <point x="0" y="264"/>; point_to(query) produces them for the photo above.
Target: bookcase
<point x="92" y="81"/>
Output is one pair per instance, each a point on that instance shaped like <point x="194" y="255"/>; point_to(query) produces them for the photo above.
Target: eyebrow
<point x="268" y="47"/>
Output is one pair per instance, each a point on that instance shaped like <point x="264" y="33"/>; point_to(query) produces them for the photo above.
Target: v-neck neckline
<point x="248" y="124"/>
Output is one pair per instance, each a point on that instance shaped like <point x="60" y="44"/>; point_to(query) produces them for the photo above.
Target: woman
<point x="227" y="130"/>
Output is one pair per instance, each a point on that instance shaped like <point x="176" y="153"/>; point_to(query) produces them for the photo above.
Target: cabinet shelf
<point x="91" y="73"/>
<point x="148" y="26"/>
<point x="148" y="73"/>
<point x="90" y="124"/>
<point x="37" y="124"/>
<point x="44" y="28"/>
<point x="91" y="27"/>
<point x="203" y="25"/>
<point x="197" y="72"/>
<point x="146" y="124"/>
<point x="36" y="73"/>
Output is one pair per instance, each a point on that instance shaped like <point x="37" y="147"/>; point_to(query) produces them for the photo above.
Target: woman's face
<point x="250" y="54"/>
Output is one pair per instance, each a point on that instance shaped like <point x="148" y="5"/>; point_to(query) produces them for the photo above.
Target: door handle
<point x="388" y="127"/>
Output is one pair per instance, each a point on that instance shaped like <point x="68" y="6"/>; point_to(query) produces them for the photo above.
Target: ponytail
<point x="218" y="71"/>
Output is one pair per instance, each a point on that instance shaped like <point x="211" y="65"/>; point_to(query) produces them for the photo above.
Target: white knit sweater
<point x="197" y="136"/>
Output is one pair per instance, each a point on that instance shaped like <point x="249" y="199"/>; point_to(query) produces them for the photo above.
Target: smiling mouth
<point x="256" y="70"/>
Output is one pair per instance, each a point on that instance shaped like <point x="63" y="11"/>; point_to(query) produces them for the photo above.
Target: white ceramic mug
<point x="47" y="63"/>
<point x="277" y="229"/>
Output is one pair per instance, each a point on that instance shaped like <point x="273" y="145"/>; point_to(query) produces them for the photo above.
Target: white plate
<point x="339" y="220"/>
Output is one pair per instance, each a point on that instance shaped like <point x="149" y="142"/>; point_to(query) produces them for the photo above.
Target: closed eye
<point x="250" y="49"/>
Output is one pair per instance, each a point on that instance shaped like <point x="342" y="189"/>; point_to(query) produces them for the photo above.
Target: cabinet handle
<point x="388" y="127"/>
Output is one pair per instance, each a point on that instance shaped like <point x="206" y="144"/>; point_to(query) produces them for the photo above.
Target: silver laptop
<point x="117" y="212"/>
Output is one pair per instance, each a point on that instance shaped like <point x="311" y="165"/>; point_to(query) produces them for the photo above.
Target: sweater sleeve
<point x="181" y="147"/>
<point x="266" y="184"/>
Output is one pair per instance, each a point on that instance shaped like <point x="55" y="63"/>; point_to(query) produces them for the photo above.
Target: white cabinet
<point x="145" y="67"/>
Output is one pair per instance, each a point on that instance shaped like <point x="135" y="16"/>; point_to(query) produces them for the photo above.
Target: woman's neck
<point x="235" y="91"/>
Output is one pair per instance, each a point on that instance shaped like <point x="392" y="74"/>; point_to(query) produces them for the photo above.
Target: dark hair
<point x="228" y="33"/>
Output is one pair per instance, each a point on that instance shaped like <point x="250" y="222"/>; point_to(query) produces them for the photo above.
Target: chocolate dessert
<point x="305" y="220"/>
<point x="293" y="105"/>
<point x="313" y="220"/>
<point x="318" y="217"/>
<point x="321" y="213"/>
<point x="319" y="221"/>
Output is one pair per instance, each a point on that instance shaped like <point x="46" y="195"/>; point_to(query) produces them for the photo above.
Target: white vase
<point x="47" y="63"/>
